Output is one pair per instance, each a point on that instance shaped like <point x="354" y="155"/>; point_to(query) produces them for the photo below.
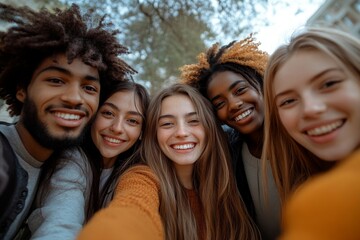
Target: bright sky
<point x="284" y="18"/>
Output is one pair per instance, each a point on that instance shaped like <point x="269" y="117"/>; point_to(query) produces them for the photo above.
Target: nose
<point x="73" y="95"/>
<point x="235" y="103"/>
<point x="313" y="106"/>
<point x="182" y="130"/>
<point x="117" y="125"/>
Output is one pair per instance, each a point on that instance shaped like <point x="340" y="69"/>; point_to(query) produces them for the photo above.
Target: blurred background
<point x="163" y="35"/>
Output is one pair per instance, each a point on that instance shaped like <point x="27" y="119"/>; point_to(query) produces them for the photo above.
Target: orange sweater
<point x="134" y="211"/>
<point x="327" y="207"/>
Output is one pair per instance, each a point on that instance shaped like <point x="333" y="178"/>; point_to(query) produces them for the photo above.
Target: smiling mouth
<point x="67" y="116"/>
<point x="184" y="146"/>
<point x="112" y="140"/>
<point x="325" y="129"/>
<point x="243" y="115"/>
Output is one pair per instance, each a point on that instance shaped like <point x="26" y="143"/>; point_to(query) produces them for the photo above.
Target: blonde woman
<point x="312" y="123"/>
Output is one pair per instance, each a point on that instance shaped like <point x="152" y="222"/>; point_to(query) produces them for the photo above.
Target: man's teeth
<point x="68" y="116"/>
<point x="185" y="146"/>
<point x="324" y="129"/>
<point x="243" y="115"/>
<point x="112" y="140"/>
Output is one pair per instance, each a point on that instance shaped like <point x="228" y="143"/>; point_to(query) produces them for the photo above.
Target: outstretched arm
<point x="134" y="211"/>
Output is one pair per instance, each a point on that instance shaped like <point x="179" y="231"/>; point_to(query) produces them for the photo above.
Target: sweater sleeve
<point x="326" y="207"/>
<point x="62" y="212"/>
<point x="134" y="211"/>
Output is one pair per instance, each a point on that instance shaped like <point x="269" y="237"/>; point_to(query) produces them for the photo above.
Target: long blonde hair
<point x="291" y="163"/>
<point x="224" y="213"/>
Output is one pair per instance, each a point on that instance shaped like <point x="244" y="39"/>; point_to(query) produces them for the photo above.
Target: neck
<point x="185" y="175"/>
<point x="255" y="142"/>
<point x="109" y="162"/>
<point x="36" y="150"/>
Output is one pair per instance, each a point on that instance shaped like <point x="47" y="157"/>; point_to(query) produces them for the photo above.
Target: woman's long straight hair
<point x="224" y="212"/>
<point x="291" y="163"/>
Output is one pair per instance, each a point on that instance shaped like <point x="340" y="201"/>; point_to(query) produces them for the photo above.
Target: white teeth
<point x="112" y="140"/>
<point x="67" y="116"/>
<point x="243" y="115"/>
<point x="185" y="146"/>
<point x="324" y="129"/>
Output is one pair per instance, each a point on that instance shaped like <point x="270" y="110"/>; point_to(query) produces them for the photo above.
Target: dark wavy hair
<point x="36" y="35"/>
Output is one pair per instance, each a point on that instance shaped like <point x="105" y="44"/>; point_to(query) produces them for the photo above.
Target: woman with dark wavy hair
<point x="80" y="186"/>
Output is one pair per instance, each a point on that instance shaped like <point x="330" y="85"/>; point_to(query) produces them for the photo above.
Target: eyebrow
<point x="115" y="107"/>
<point x="311" y="80"/>
<point x="172" y="116"/>
<point x="65" y="71"/>
<point x="233" y="85"/>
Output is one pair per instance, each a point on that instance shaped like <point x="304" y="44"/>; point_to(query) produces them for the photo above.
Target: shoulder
<point x="138" y="186"/>
<point x="72" y="166"/>
<point x="328" y="205"/>
<point x="139" y="177"/>
<point x="134" y="211"/>
<point x="233" y="135"/>
<point x="140" y="170"/>
<point x="73" y="158"/>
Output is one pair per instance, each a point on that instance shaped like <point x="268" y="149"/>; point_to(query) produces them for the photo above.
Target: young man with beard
<point x="54" y="68"/>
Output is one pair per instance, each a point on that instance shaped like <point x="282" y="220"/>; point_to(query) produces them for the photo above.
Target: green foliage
<point x="163" y="35"/>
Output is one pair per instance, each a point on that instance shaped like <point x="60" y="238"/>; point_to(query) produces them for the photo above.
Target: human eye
<point x="218" y="104"/>
<point x="56" y="81"/>
<point x="329" y="84"/>
<point x="194" y="121"/>
<point x="286" y="102"/>
<point x="90" y="88"/>
<point x="240" y="90"/>
<point x="165" y="123"/>
<point x="107" y="113"/>
<point x="134" y="121"/>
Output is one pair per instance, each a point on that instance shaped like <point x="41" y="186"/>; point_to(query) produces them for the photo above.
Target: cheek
<point x="135" y="134"/>
<point x="93" y="103"/>
<point x="99" y="123"/>
<point x="289" y="120"/>
<point x="222" y="114"/>
<point x="160" y="138"/>
<point x="94" y="130"/>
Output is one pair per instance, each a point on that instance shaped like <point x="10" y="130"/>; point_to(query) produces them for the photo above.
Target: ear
<point x="140" y="137"/>
<point x="21" y="95"/>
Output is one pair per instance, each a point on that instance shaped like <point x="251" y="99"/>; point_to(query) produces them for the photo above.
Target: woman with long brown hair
<point x="187" y="190"/>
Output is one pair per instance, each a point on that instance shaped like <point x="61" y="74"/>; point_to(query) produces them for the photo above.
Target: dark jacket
<point x="13" y="193"/>
<point x="236" y="144"/>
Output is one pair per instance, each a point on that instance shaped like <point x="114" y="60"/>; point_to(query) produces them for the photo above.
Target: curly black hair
<point x="36" y="35"/>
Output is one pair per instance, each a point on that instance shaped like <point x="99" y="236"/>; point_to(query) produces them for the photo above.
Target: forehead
<point x="300" y="67"/>
<point x="76" y="68"/>
<point x="223" y="81"/>
<point x="225" y="78"/>
<point x="124" y="99"/>
<point x="177" y="105"/>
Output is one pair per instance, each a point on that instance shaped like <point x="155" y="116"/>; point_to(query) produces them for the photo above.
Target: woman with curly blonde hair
<point x="231" y="78"/>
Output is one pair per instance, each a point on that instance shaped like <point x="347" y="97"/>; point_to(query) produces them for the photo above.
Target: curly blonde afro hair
<point x="243" y="57"/>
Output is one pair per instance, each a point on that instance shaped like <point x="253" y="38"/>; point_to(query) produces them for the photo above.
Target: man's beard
<point x="39" y="130"/>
